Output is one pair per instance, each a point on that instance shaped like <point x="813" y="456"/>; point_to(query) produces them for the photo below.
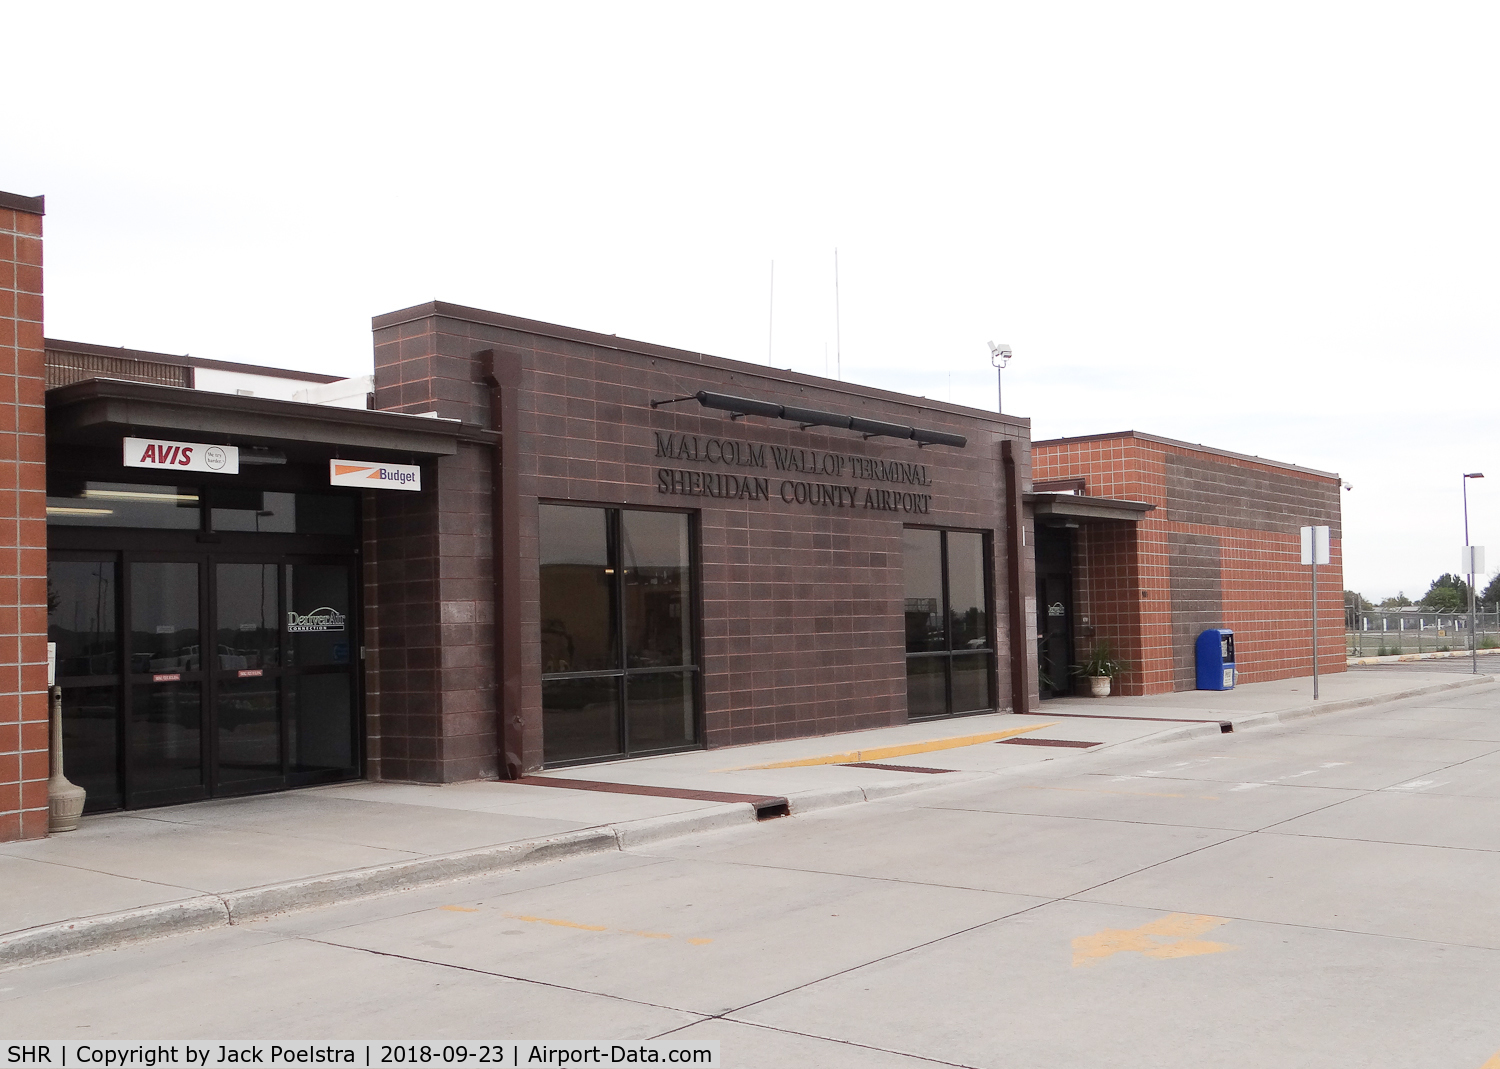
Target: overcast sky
<point x="1272" y="227"/>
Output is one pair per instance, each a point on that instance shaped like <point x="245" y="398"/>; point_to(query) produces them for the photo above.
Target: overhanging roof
<point x="99" y="411"/>
<point x="1080" y="507"/>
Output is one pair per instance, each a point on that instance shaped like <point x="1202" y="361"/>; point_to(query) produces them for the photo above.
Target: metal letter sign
<point x="182" y="456"/>
<point x="370" y="476"/>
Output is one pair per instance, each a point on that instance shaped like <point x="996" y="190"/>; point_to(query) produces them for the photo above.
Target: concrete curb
<point x="105" y="931"/>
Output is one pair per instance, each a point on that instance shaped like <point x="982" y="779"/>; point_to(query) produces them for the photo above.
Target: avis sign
<point x="374" y="476"/>
<point x="181" y="456"/>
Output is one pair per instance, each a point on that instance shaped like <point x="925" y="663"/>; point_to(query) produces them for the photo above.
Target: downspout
<point x="1015" y="548"/>
<point x="502" y="374"/>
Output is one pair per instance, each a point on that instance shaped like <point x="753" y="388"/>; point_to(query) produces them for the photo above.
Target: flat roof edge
<point x="16" y="202"/>
<point x="444" y="310"/>
<point x="84" y="348"/>
<point x="1195" y="446"/>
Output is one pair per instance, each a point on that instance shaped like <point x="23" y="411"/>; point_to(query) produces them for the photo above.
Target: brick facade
<point x="1221" y="549"/>
<point x="23" y="530"/>
<point x="801" y="605"/>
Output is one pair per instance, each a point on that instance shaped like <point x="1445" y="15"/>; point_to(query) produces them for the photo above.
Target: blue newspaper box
<point x="1216" y="659"/>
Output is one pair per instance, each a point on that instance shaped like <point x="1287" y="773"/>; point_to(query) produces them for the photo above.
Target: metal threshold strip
<point x="766" y="805"/>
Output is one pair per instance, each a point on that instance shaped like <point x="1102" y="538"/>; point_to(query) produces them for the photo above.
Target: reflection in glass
<point x="90" y="720"/>
<point x="578" y="607"/>
<point x="580" y="718"/>
<point x="317" y="616"/>
<point x="249" y="725"/>
<point x="164" y="634"/>
<point x="922" y="563"/>
<point x="81" y="617"/>
<point x="971" y="682"/>
<point x="327" y="514"/>
<point x="654" y="549"/>
<point x="266" y="513"/>
<point x="165" y="737"/>
<point x="321" y="722"/>
<point x="123" y="505"/>
<point x="966" y="603"/>
<point x="661" y="710"/>
<point x="926" y="687"/>
<point x="247" y="634"/>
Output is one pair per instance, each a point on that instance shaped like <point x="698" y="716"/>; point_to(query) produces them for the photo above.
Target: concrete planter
<point x="1099" y="686"/>
<point x="64" y="799"/>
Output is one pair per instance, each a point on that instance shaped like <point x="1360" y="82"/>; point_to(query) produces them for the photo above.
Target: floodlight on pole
<point x="1000" y="355"/>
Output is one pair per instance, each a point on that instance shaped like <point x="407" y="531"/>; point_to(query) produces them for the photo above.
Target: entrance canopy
<point x="1063" y="508"/>
<point x="99" y="412"/>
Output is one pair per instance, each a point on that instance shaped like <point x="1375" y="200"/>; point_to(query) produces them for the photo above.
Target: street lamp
<point x="1469" y="559"/>
<point x="1000" y="355"/>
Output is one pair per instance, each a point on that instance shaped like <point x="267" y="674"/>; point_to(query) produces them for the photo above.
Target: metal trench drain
<point x="766" y="805"/>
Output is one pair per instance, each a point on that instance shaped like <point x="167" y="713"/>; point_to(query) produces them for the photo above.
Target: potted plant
<point x="1100" y="668"/>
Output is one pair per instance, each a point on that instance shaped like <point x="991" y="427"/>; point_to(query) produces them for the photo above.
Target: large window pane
<point x="123" y="505"/>
<point x="249" y="605"/>
<point x="81" y="617"/>
<point x="164" y="634"/>
<point x="654" y="549"/>
<point x="233" y="509"/>
<point x="926" y="686"/>
<point x="922" y="561"/>
<point x="971" y="682"/>
<point x="661" y="710"/>
<point x="580" y="718"/>
<point x="91" y="719"/>
<point x="317" y="614"/>
<point x="966" y="602"/>
<point x="578" y="607"/>
<point x="249" y="725"/>
<point x="166" y="737"/>
<point x="321" y="722"/>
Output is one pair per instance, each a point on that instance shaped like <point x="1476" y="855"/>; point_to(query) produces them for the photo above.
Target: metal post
<point x="1315" y="612"/>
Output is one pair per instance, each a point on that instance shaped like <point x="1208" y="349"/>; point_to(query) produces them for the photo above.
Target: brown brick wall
<point x="1220" y="550"/>
<point x="802" y="605"/>
<point x="23" y="526"/>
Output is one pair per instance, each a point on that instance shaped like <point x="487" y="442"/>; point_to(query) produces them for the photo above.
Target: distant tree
<point x="1448" y="593"/>
<point x="1356" y="601"/>
<point x="1491" y="592"/>
<point x="1400" y="601"/>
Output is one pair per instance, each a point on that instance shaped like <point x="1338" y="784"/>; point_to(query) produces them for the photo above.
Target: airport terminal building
<point x="513" y="546"/>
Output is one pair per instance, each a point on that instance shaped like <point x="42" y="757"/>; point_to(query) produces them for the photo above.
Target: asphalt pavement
<point x="1308" y="891"/>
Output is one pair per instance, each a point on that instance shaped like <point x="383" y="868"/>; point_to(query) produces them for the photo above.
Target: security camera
<point x="1348" y="486"/>
<point x="999" y="354"/>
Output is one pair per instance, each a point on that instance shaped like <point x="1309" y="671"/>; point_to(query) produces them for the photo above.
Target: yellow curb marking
<point x="459" y="909"/>
<point x="1172" y="936"/>
<point x="1493" y="1063"/>
<point x="880" y="753"/>
<point x="556" y="923"/>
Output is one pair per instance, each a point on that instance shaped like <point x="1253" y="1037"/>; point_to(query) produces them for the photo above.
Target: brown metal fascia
<point x="16" y="202"/>
<point x="1020" y="688"/>
<point x="85" y="348"/>
<point x="502" y="374"/>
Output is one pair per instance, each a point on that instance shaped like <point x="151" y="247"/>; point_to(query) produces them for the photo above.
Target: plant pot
<point x="1099" y="686"/>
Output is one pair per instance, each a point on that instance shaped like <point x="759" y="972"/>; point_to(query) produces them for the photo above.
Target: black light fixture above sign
<point x="812" y="417"/>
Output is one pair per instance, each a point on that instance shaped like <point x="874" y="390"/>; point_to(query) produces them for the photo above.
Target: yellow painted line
<point x="558" y="923"/>
<point x="1493" y="1063"/>
<point x="1173" y="936"/>
<point x="459" y="909"/>
<point x="881" y="753"/>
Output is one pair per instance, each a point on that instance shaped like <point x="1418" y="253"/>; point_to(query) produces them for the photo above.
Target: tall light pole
<point x="1469" y="559"/>
<point x="1000" y="355"/>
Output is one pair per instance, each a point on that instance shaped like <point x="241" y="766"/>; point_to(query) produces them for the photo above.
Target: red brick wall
<point x="1221" y="549"/>
<point x="23" y="525"/>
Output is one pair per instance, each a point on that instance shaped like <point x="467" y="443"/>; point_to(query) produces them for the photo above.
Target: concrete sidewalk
<point x="146" y="873"/>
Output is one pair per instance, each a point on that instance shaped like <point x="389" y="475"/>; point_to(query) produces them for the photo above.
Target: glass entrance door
<point x="206" y="677"/>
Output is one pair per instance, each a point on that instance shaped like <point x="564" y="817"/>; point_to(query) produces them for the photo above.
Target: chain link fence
<point x="1391" y="632"/>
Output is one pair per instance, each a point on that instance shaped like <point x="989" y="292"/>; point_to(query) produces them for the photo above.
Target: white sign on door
<point x="370" y="476"/>
<point x="182" y="456"/>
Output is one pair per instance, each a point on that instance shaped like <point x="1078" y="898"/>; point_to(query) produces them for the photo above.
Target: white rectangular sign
<point x="363" y="473"/>
<point x="1315" y="545"/>
<point x="1472" y="561"/>
<point x="182" y="456"/>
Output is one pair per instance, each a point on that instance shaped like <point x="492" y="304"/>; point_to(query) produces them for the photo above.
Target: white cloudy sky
<point x="1270" y="227"/>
